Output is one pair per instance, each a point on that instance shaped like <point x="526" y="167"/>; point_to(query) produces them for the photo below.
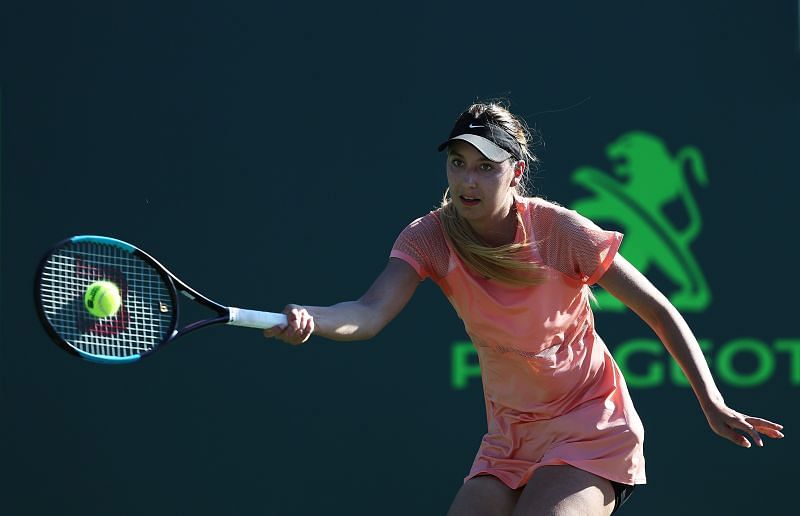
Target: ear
<point x="519" y="169"/>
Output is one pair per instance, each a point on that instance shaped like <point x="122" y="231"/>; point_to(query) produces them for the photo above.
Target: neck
<point x="500" y="227"/>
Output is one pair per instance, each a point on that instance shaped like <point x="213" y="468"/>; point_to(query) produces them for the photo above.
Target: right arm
<point x="353" y="320"/>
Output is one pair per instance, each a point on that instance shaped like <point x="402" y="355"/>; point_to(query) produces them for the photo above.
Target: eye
<point x="486" y="167"/>
<point x="457" y="162"/>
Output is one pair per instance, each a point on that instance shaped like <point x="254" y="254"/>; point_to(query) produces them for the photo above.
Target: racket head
<point x="146" y="319"/>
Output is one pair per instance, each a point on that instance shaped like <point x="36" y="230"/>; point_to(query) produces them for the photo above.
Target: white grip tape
<point x="254" y="318"/>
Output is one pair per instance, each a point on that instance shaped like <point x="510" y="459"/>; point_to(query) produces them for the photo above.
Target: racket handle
<point x="254" y="318"/>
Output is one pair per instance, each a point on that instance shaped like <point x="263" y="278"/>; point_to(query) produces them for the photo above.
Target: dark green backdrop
<point x="271" y="154"/>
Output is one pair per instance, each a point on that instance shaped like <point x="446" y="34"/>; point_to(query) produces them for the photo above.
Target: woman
<point x="563" y="436"/>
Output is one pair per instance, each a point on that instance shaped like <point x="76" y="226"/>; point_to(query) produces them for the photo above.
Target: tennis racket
<point x="148" y="314"/>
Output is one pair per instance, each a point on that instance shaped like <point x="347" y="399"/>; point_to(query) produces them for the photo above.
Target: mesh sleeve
<point x="422" y="245"/>
<point x="573" y="244"/>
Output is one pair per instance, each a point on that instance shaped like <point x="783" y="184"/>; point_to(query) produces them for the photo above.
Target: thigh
<point x="565" y="490"/>
<point x="484" y="495"/>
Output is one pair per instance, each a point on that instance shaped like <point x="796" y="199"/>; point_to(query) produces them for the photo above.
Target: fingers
<point x="275" y="331"/>
<point x="737" y="427"/>
<point x="748" y="428"/>
<point x="767" y="428"/>
<point x="298" y="328"/>
<point x="752" y="427"/>
<point x="763" y="423"/>
<point x="739" y="440"/>
<point x="300" y="324"/>
<point x="729" y="431"/>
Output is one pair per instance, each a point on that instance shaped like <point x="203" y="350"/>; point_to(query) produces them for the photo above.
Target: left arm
<point x="631" y="287"/>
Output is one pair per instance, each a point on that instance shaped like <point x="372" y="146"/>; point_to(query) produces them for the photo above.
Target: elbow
<point x="368" y="333"/>
<point x="358" y="332"/>
<point x="662" y="315"/>
<point x="358" y="329"/>
<point x="349" y="332"/>
<point x="369" y="329"/>
<point x="372" y="321"/>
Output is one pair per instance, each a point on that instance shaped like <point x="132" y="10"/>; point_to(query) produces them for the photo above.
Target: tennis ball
<point x="102" y="299"/>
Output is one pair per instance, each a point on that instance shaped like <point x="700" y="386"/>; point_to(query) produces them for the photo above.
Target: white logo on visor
<point x="475" y="126"/>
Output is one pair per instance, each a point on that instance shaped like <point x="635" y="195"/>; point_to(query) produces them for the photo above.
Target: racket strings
<point x="144" y="319"/>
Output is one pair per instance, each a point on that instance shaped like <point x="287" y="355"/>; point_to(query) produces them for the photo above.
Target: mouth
<point x="469" y="201"/>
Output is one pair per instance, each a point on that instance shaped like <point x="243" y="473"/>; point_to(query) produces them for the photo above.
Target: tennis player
<point x="563" y="436"/>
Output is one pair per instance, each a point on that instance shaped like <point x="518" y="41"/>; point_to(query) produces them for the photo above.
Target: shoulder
<point x="540" y="204"/>
<point x="550" y="215"/>
<point x="422" y="244"/>
<point x="426" y="226"/>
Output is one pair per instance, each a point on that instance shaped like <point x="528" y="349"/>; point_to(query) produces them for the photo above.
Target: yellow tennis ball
<point x="102" y="299"/>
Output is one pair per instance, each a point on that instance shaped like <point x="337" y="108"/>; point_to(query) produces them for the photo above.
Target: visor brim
<point x="488" y="148"/>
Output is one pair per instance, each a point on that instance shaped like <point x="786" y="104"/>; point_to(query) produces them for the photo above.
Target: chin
<point x="468" y="213"/>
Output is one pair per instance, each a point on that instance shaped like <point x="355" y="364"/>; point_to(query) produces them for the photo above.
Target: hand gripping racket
<point x="148" y="314"/>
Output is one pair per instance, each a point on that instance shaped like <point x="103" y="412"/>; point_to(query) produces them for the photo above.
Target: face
<point x="480" y="188"/>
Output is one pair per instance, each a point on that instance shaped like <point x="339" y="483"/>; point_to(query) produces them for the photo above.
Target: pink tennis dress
<point x="553" y="393"/>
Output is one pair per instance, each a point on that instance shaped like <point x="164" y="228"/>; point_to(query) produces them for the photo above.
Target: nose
<point x="470" y="175"/>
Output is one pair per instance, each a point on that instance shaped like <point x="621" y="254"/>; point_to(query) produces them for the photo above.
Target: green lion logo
<point x="650" y="179"/>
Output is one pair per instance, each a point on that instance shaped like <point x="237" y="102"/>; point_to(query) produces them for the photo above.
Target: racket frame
<point x="173" y="283"/>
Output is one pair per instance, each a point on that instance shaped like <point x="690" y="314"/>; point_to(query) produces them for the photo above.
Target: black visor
<point x="490" y="139"/>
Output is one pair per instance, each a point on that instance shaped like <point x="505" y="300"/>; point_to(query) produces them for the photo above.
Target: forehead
<point x="466" y="150"/>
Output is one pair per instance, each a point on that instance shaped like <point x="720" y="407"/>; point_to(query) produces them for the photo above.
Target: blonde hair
<point x="510" y="263"/>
